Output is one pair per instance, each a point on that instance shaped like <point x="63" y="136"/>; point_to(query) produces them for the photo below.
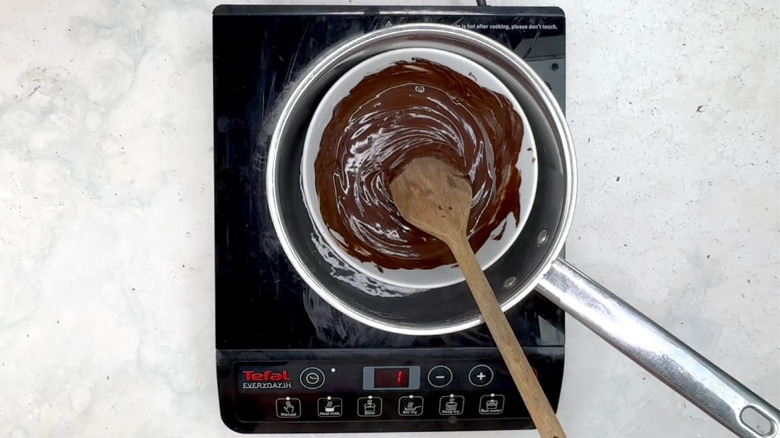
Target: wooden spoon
<point x="436" y="198"/>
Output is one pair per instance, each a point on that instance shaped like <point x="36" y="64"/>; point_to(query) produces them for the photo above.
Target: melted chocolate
<point x="408" y="110"/>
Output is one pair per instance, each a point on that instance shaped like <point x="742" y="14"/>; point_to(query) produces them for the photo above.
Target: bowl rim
<point x="493" y="249"/>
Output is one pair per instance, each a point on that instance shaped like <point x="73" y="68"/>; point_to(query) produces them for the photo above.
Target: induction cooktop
<point x="286" y="360"/>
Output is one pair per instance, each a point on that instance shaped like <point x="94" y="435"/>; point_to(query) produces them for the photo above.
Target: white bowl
<point x="441" y="276"/>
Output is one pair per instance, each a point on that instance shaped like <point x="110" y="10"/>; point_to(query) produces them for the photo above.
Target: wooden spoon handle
<point x="535" y="400"/>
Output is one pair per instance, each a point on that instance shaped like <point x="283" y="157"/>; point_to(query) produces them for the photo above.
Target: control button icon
<point x="312" y="378"/>
<point x="410" y="406"/>
<point x="288" y="407"/>
<point x="329" y="407"/>
<point x="440" y="376"/>
<point x="369" y="406"/>
<point x="492" y="404"/>
<point x="451" y="404"/>
<point x="480" y="375"/>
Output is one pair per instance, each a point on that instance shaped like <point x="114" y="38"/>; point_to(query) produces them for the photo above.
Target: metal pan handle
<point x="660" y="353"/>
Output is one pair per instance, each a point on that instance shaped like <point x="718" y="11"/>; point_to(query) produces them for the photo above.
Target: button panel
<point x="446" y="390"/>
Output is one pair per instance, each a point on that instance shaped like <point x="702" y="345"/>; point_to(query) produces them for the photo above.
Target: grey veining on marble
<point x="106" y="211"/>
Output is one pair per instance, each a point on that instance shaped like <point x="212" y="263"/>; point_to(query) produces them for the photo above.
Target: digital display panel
<point x="391" y="378"/>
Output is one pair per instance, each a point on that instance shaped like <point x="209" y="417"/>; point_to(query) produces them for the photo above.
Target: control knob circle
<point x="312" y="378"/>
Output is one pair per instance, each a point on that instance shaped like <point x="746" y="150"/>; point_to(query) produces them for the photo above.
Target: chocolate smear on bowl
<point x="408" y="110"/>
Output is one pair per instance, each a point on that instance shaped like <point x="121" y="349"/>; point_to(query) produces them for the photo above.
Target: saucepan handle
<point x="660" y="353"/>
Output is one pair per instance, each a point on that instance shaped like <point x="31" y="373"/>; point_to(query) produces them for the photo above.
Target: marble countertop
<point x="106" y="211"/>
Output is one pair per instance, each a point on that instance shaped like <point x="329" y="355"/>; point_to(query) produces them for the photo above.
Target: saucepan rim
<point x="553" y="242"/>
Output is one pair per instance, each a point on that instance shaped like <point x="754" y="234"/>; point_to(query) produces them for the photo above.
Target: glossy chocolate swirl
<point x="408" y="110"/>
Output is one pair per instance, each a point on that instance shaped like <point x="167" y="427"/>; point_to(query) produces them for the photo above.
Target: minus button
<point x="440" y="376"/>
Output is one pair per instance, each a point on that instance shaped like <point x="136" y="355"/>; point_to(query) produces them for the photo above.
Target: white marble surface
<point x="106" y="247"/>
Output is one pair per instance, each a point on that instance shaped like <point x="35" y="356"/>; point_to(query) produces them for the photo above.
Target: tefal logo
<point x="266" y="376"/>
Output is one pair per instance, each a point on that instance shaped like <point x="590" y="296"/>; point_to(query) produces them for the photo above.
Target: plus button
<point x="481" y="375"/>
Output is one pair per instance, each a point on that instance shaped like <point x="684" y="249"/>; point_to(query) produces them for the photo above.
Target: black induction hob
<point x="286" y="360"/>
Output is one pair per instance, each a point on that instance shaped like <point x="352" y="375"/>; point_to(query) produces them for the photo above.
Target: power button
<point x="312" y="378"/>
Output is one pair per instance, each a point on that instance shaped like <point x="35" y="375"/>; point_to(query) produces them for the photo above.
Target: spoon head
<point x="433" y="197"/>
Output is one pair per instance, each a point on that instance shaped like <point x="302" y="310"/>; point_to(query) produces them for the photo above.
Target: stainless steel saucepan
<point x="533" y="260"/>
